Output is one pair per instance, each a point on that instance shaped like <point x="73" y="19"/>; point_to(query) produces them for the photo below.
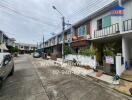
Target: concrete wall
<point x="84" y="60"/>
<point x="119" y="66"/>
<point x="127" y="48"/>
<point x="127" y="10"/>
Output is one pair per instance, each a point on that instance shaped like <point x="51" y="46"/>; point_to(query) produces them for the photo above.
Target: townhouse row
<point x="102" y="30"/>
<point x="26" y="48"/>
<point x="5" y="41"/>
<point x="6" y="44"/>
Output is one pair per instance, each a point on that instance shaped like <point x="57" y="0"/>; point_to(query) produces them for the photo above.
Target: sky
<point x="29" y="20"/>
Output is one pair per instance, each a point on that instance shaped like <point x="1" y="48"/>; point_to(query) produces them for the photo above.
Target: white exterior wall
<point x="93" y="23"/>
<point x="119" y="67"/>
<point x="127" y="49"/>
<point x="84" y="60"/>
<point x="127" y="10"/>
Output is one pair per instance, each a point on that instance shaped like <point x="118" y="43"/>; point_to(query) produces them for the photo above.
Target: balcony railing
<point x="110" y="30"/>
<point x="127" y="25"/>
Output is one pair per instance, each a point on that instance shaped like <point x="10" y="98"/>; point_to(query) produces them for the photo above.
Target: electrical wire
<point x="9" y="4"/>
<point x="86" y="8"/>
<point x="91" y="9"/>
<point x="29" y="17"/>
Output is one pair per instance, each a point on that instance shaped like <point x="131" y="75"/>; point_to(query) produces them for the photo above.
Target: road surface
<point x="36" y="79"/>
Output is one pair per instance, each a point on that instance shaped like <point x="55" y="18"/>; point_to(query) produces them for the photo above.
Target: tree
<point x="67" y="50"/>
<point x="14" y="50"/>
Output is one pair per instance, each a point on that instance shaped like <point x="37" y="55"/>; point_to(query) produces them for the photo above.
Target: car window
<point x="7" y="58"/>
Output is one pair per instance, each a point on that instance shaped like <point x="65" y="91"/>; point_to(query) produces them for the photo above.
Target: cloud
<point x="40" y="18"/>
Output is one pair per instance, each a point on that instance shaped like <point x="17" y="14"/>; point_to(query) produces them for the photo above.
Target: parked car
<point x="36" y="55"/>
<point x="6" y="66"/>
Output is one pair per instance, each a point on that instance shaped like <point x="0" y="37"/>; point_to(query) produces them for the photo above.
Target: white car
<point x="36" y="55"/>
<point x="6" y="66"/>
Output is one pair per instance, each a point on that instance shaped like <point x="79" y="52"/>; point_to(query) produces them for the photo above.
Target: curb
<point x="122" y="92"/>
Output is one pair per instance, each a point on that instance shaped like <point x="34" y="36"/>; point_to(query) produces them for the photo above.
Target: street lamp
<point x="63" y="28"/>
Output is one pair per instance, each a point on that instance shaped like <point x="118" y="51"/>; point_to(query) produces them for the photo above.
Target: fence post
<point x="119" y="67"/>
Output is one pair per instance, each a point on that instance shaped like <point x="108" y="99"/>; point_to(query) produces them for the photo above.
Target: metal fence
<point x="127" y="25"/>
<point x="113" y="29"/>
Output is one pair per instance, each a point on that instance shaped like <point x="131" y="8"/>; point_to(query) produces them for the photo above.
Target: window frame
<point x="99" y="24"/>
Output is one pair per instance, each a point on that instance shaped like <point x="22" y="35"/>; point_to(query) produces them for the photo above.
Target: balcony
<point x="106" y="31"/>
<point x="127" y="25"/>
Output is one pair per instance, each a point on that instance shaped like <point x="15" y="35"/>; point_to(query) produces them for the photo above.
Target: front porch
<point x="107" y="49"/>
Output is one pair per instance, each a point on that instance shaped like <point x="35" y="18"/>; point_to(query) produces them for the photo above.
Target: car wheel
<point x="1" y="83"/>
<point x="12" y="71"/>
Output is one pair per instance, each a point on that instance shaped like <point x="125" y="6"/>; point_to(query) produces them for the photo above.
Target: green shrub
<point x="87" y="51"/>
<point x="67" y="50"/>
<point x="15" y="50"/>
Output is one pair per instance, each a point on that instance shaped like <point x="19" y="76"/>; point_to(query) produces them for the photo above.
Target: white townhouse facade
<point x="115" y="29"/>
<point x="108" y="34"/>
<point x="25" y="48"/>
<point x="6" y="42"/>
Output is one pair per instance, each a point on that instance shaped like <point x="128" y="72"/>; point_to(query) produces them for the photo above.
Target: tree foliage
<point x="14" y="50"/>
<point x="67" y="50"/>
<point x="87" y="51"/>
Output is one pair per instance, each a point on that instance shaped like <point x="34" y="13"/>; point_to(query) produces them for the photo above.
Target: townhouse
<point x="25" y="48"/>
<point x="110" y="35"/>
<point x="6" y="42"/>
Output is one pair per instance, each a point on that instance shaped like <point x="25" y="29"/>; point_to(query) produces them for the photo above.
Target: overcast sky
<point x="28" y="20"/>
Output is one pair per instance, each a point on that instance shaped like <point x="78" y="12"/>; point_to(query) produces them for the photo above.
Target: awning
<point x="80" y="43"/>
<point x="3" y="46"/>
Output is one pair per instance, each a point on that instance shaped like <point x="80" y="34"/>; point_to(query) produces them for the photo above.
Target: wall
<point x="57" y="50"/>
<point x="119" y="67"/>
<point x="127" y="10"/>
<point x="84" y="60"/>
<point x="93" y="24"/>
<point x="127" y="48"/>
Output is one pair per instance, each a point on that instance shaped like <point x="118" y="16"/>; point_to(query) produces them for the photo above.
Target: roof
<point x="26" y="44"/>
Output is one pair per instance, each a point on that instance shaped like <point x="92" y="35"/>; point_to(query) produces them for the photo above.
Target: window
<point x="106" y="21"/>
<point x="7" y="59"/>
<point x="82" y="30"/>
<point x="60" y="38"/>
<point x="99" y="24"/>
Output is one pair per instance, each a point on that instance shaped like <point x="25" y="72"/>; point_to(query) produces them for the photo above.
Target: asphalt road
<point x="36" y="79"/>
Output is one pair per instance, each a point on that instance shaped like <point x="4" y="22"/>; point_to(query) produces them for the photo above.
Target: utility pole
<point x="2" y="41"/>
<point x="43" y="44"/>
<point x="63" y="28"/>
<point x="37" y="45"/>
<point x="63" y="41"/>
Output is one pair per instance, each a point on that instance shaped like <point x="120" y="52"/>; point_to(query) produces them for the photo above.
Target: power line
<point x="89" y="10"/>
<point x="85" y="8"/>
<point x="9" y="4"/>
<point x="29" y="17"/>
